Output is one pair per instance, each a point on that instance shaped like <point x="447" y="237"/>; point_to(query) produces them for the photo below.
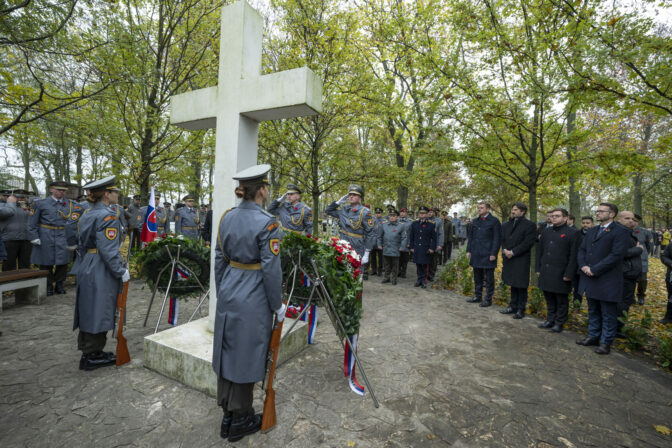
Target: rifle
<point x="268" y="421"/>
<point x="123" y="356"/>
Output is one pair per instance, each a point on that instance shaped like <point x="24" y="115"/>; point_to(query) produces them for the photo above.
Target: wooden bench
<point x="29" y="286"/>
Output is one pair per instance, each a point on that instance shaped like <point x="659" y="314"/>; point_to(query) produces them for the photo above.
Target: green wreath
<point x="193" y="254"/>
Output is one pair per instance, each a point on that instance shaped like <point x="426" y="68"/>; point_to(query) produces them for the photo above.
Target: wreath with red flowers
<point x="339" y="265"/>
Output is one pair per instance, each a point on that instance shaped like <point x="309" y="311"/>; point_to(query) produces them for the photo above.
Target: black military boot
<point x="50" y="289"/>
<point x="241" y="427"/>
<point x="668" y="315"/>
<point x="226" y="424"/>
<point x="97" y="360"/>
<point x="59" y="288"/>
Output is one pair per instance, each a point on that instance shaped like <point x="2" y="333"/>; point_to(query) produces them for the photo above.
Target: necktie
<point x="600" y="231"/>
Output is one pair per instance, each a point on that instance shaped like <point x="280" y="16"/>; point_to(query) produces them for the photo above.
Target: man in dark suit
<point x="484" y="235"/>
<point x="422" y="243"/>
<point x="518" y="236"/>
<point x="632" y="267"/>
<point x="586" y="224"/>
<point x="556" y="266"/>
<point x="600" y="260"/>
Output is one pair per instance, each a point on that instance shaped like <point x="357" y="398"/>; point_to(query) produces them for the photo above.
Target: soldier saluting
<point x="249" y="290"/>
<point x="99" y="270"/>
<point x="294" y="215"/>
<point x="46" y="231"/>
<point x="186" y="219"/>
<point x="356" y="223"/>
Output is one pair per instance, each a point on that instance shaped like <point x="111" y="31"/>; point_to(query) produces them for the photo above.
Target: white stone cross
<point x="238" y="103"/>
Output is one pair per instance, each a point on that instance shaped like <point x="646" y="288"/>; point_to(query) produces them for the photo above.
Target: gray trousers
<point x="91" y="342"/>
<point x="235" y="398"/>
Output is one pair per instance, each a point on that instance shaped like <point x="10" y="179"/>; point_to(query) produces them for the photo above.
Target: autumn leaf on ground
<point x="662" y="429"/>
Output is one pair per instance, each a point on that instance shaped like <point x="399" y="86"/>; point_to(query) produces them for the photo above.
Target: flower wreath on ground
<point x="339" y="265"/>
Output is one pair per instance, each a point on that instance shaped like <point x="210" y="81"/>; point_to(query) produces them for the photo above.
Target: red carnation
<point x="338" y="249"/>
<point x="350" y="259"/>
<point x="339" y="259"/>
<point x="355" y="274"/>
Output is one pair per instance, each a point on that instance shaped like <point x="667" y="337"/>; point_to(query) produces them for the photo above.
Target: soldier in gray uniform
<point x="100" y="271"/>
<point x="78" y="209"/>
<point x="248" y="281"/>
<point x="356" y="223"/>
<point x="376" y="254"/>
<point x="405" y="254"/>
<point x="391" y="238"/>
<point x="135" y="217"/>
<point x="46" y="232"/>
<point x="14" y="216"/>
<point x="433" y="216"/>
<point x="160" y="213"/>
<point x="187" y="220"/>
<point x="294" y="215"/>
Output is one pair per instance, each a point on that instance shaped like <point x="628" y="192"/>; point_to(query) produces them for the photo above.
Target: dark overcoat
<point x="484" y="239"/>
<point x="556" y="258"/>
<point x="519" y="237"/>
<point x="603" y="253"/>
<point x="421" y="238"/>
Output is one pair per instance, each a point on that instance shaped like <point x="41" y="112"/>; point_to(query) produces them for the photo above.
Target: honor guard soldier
<point x="135" y="217"/>
<point x="376" y="254"/>
<point x="433" y="216"/>
<point x="391" y="238"/>
<point x="294" y="215"/>
<point x="100" y="272"/>
<point x="422" y="243"/>
<point x="14" y="215"/>
<point x="356" y="223"/>
<point x="186" y="219"/>
<point x="160" y="213"/>
<point x="249" y="290"/>
<point x="46" y="231"/>
<point x="405" y="254"/>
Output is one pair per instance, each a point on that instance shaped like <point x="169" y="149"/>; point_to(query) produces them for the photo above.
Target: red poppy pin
<point x="296" y="208"/>
<point x="562" y="236"/>
<point x="607" y="229"/>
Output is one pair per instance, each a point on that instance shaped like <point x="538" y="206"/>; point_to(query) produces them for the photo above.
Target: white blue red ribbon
<point x="180" y="274"/>
<point x="310" y="317"/>
<point x="349" y="365"/>
<point x="173" y="311"/>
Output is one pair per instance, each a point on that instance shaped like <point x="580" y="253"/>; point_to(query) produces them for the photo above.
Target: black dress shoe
<point x="507" y="310"/>
<point x="366" y="276"/>
<point x="545" y="324"/>
<point x="417" y="284"/>
<point x="557" y="328"/>
<point x="603" y="349"/>
<point x="519" y="315"/>
<point x="226" y="424"/>
<point x="640" y="300"/>
<point x="59" y="288"/>
<point x="588" y="341"/>
<point x="423" y="286"/>
<point x="485" y="303"/>
<point x="241" y="427"/>
<point x="385" y="280"/>
<point x="50" y="290"/>
<point x="97" y="360"/>
<point x="474" y="300"/>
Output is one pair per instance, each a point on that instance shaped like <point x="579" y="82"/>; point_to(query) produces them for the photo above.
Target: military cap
<point x="5" y="192"/>
<point x="81" y="197"/>
<point x="157" y="195"/>
<point x="637" y="217"/>
<point x="404" y="209"/>
<point x="379" y="210"/>
<point x="291" y="188"/>
<point x="423" y="209"/>
<point x="167" y="203"/>
<point x="393" y="212"/>
<point x="20" y="192"/>
<point x="189" y="197"/>
<point x="254" y="174"/>
<point x="58" y="185"/>
<point x="356" y="189"/>
<point x="108" y="183"/>
<point x="137" y="196"/>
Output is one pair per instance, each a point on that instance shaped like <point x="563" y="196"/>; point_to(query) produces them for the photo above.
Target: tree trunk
<point x="574" y="198"/>
<point x="315" y="185"/>
<point x="638" y="192"/>
<point x="78" y="163"/>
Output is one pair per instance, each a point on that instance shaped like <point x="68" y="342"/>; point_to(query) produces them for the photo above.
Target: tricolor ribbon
<point x="310" y="317"/>
<point x="173" y="311"/>
<point x="180" y="274"/>
<point x="349" y="364"/>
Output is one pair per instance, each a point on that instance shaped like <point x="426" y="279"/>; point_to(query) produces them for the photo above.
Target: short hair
<point x="487" y="204"/>
<point x="572" y="217"/>
<point x="612" y="207"/>
<point x="590" y="218"/>
<point x="564" y="212"/>
<point x="520" y="206"/>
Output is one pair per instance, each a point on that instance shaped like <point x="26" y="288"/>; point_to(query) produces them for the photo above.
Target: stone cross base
<point x="184" y="353"/>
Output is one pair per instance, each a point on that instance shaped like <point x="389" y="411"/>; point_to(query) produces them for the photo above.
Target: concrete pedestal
<point x="184" y="353"/>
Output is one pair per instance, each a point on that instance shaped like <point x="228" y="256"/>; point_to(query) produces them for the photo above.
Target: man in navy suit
<point x="600" y="260"/>
<point x="485" y="236"/>
<point x="422" y="244"/>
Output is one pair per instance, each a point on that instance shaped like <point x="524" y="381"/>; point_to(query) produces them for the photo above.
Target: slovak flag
<point x="149" y="228"/>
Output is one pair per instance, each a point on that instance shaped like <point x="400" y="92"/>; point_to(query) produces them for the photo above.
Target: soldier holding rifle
<point x="99" y="270"/>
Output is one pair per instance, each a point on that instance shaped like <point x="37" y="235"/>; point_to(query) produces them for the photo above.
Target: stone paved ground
<point x="447" y="373"/>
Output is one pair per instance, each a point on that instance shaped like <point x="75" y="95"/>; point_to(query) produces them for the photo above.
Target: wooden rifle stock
<point x="268" y="419"/>
<point x="123" y="356"/>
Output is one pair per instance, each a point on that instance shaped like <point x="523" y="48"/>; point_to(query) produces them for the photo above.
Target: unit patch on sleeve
<point x="111" y="233"/>
<point x="272" y="226"/>
<point x="275" y="246"/>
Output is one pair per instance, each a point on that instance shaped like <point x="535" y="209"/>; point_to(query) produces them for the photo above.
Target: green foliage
<point x="536" y="302"/>
<point x="665" y="348"/>
<point x="636" y="334"/>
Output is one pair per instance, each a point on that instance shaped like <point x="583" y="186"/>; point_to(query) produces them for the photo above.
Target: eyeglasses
<point x="602" y="211"/>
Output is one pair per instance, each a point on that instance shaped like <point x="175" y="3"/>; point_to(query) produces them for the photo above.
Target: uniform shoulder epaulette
<point x="270" y="215"/>
<point x="108" y="217"/>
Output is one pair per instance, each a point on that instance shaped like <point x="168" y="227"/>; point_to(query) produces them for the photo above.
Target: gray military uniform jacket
<point x="645" y="238"/>
<point x="135" y="217"/>
<point x="248" y="279"/>
<point x="391" y="237"/>
<point x="78" y="209"/>
<point x="13" y="222"/>
<point x="99" y="268"/>
<point x="356" y="225"/>
<point x="186" y="222"/>
<point x="48" y="223"/>
<point x="407" y="225"/>
<point x="161" y="219"/>
<point x="294" y="218"/>
<point x="438" y="228"/>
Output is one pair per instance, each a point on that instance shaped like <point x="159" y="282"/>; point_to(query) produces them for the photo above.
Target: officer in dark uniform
<point x="46" y="231"/>
<point x="248" y="278"/>
<point x="100" y="271"/>
<point x="422" y="243"/>
<point x="356" y="223"/>
<point x="135" y="217"/>
<point x="14" y="215"/>
<point x="294" y="215"/>
<point x="376" y="254"/>
<point x="187" y="219"/>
